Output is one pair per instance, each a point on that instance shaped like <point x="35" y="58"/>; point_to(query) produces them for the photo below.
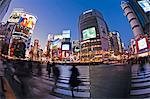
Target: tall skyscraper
<point x="4" y="5"/>
<point x="138" y="11"/>
<point x="93" y="33"/>
<point x="142" y="10"/>
<point x="132" y="18"/>
<point x="138" y="14"/>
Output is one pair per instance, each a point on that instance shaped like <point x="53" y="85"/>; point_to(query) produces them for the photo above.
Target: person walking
<point x="56" y="75"/>
<point x="2" y="76"/>
<point x="39" y="67"/>
<point x="24" y="75"/>
<point x="30" y="66"/>
<point x="49" y="68"/>
<point x="74" y="81"/>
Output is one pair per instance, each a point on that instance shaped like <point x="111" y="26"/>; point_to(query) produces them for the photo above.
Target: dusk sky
<point x="56" y="15"/>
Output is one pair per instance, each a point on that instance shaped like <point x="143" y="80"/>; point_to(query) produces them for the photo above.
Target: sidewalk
<point x="9" y="94"/>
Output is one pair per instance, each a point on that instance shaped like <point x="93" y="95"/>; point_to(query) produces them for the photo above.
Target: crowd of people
<point x="25" y="70"/>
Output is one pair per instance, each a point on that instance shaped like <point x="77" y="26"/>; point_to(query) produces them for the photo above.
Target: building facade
<point x="142" y="10"/>
<point x="93" y="32"/>
<point x="115" y="42"/>
<point x="24" y="24"/>
<point x="75" y="50"/>
<point x="138" y="14"/>
<point x="4" y="5"/>
<point x="132" y="18"/>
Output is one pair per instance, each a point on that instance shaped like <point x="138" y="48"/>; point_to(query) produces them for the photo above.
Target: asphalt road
<point x="101" y="81"/>
<point x="110" y="81"/>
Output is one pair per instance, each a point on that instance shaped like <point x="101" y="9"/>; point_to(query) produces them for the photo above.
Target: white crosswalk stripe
<point x="140" y="82"/>
<point x="63" y="88"/>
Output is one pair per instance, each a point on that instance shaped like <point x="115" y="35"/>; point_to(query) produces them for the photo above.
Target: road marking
<point x="138" y="74"/>
<point x="141" y="84"/>
<point x="64" y="89"/>
<point x="141" y="76"/>
<point x="77" y="94"/>
<point x="140" y="91"/>
<point x="140" y="80"/>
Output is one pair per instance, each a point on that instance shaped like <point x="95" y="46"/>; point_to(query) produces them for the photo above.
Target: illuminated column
<point x="129" y="13"/>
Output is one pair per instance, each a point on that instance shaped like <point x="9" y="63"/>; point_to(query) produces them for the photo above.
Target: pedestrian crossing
<point x="140" y="82"/>
<point x="63" y="89"/>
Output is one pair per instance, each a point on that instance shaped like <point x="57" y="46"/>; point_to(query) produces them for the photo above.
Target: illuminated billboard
<point x="15" y="16"/>
<point x="142" y="44"/>
<point x="145" y="4"/>
<point x="56" y="43"/>
<point x="27" y="20"/>
<point x="66" y="47"/>
<point x="58" y="37"/>
<point x="66" y="34"/>
<point x="22" y="29"/>
<point x="76" y="49"/>
<point x="89" y="33"/>
<point x="50" y="37"/>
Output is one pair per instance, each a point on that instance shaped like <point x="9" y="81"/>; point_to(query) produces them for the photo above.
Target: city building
<point x="76" y="50"/>
<point x="6" y="32"/>
<point x="4" y="5"/>
<point x="66" y="46"/>
<point x="24" y="24"/>
<point x="142" y="10"/>
<point x="115" y="42"/>
<point x="93" y="32"/>
<point x="132" y="18"/>
<point x="36" y="49"/>
<point x="2" y="35"/>
<point x="138" y="14"/>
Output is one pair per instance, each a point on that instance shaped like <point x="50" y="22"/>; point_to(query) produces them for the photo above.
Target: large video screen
<point x="89" y="33"/>
<point x="66" y="34"/>
<point x="145" y="4"/>
<point x="142" y="44"/>
<point x="66" y="47"/>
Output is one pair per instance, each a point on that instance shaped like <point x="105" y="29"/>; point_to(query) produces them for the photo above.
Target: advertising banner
<point x="15" y="16"/>
<point x="50" y="37"/>
<point x="142" y="44"/>
<point x="56" y="43"/>
<point x="145" y="4"/>
<point x="27" y="20"/>
<point x="66" y="33"/>
<point x="58" y="37"/>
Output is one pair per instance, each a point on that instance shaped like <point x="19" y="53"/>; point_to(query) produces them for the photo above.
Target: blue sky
<point x="56" y="15"/>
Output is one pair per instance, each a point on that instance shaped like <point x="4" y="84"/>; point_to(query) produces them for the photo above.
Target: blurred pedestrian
<point x="56" y="74"/>
<point x="23" y="74"/>
<point x="49" y="66"/>
<point x="30" y="66"/>
<point x="141" y="67"/>
<point x="2" y="76"/>
<point x="39" y="67"/>
<point x="74" y="81"/>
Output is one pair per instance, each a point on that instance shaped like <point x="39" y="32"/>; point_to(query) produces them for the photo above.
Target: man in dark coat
<point x="74" y="81"/>
<point x="56" y="74"/>
<point x="49" y="68"/>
